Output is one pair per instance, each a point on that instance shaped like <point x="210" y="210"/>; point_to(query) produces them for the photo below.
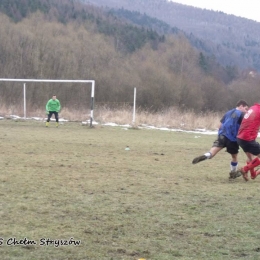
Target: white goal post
<point x="56" y="81"/>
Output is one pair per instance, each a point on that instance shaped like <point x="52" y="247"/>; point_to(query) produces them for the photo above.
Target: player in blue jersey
<point x="227" y="133"/>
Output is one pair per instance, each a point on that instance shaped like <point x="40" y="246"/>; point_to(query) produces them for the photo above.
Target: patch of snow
<point x="125" y="127"/>
<point x="111" y="124"/>
<point x="15" y="117"/>
<point x="37" y="118"/>
<point x="88" y="122"/>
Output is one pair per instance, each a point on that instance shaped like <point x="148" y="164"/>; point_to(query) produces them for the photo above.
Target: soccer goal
<point x="24" y="81"/>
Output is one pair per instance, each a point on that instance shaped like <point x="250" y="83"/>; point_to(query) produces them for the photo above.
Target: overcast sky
<point x="244" y="8"/>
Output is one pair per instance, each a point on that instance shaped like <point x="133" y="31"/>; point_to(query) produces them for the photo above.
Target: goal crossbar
<point x="56" y="81"/>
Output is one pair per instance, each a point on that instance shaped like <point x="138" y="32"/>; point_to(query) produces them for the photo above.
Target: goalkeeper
<point x="53" y="107"/>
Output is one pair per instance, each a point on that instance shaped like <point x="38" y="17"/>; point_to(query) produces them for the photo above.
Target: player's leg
<point x="257" y="172"/>
<point x="232" y="149"/>
<point x="216" y="147"/>
<point x="234" y="162"/>
<point x="57" y="118"/>
<point x="49" y="118"/>
<point x="250" y="148"/>
<point x="253" y="173"/>
<point x="234" y="171"/>
<point x="250" y="165"/>
<point x="252" y="162"/>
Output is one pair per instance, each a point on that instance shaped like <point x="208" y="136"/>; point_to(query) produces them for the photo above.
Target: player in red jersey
<point x="246" y="138"/>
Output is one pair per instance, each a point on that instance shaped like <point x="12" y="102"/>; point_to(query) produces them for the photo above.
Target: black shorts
<point x="223" y="141"/>
<point x="252" y="147"/>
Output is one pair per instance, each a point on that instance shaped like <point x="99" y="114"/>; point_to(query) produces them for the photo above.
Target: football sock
<point x="252" y="164"/>
<point x="233" y="166"/>
<point x="208" y="155"/>
<point x="252" y="171"/>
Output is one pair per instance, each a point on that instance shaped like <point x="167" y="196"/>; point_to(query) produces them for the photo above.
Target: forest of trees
<point x="232" y="40"/>
<point x="66" y="40"/>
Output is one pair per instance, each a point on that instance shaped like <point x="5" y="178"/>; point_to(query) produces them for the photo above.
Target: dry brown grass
<point x="171" y="117"/>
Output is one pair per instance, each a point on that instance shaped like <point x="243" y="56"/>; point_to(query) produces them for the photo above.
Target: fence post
<point x="134" y="105"/>
<point x="24" y="100"/>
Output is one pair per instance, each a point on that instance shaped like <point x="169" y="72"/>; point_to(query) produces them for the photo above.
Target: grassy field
<point x="78" y="185"/>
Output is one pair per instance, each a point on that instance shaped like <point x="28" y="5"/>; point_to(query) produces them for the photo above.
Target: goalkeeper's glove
<point x="47" y="112"/>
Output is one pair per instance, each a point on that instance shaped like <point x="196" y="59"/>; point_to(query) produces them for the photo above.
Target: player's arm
<point x="222" y="120"/>
<point x="47" y="106"/>
<point x="59" y="106"/>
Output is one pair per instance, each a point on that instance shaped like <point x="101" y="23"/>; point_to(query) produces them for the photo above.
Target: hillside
<point x="65" y="39"/>
<point x="231" y="40"/>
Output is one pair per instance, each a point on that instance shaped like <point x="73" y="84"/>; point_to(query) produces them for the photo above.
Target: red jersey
<point x="249" y="127"/>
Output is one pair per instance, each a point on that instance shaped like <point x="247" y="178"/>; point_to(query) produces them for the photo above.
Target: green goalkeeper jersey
<point x="53" y="105"/>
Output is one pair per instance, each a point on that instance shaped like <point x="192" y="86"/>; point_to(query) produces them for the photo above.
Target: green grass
<point x="149" y="202"/>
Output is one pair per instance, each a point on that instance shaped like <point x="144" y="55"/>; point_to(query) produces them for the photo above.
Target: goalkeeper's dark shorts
<point x="224" y="142"/>
<point x="56" y="114"/>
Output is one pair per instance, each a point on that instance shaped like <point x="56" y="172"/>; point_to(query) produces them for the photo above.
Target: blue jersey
<point x="230" y="124"/>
